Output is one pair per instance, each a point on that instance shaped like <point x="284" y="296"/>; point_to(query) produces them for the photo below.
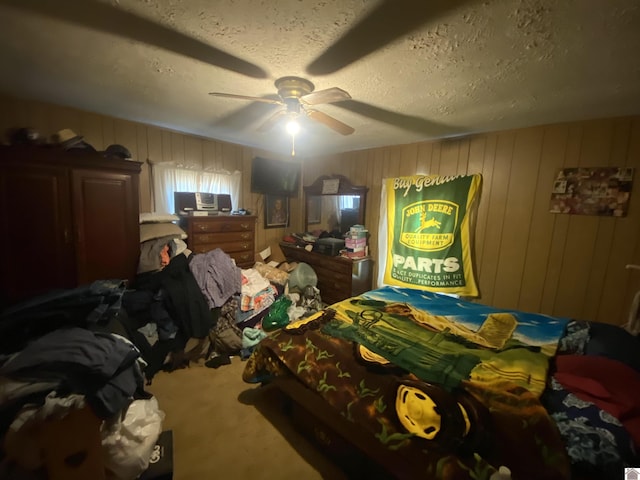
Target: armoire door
<point x="37" y="228"/>
<point x="105" y="211"/>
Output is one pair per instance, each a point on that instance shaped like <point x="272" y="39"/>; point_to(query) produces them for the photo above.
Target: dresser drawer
<point x="333" y="271"/>
<point x="224" y="237"/>
<point x="296" y="255"/>
<point x="330" y="264"/>
<point x="335" y="283"/>
<point x="243" y="259"/>
<point x="333" y="293"/>
<point x="222" y="225"/>
<point x="227" y="247"/>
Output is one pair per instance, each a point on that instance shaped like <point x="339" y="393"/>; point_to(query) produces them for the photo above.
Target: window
<point x="349" y="201"/>
<point x="168" y="178"/>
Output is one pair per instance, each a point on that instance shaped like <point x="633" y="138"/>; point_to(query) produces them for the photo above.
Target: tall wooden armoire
<point x="67" y="218"/>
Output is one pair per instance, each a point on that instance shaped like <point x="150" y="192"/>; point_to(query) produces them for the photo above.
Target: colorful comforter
<point x="452" y="386"/>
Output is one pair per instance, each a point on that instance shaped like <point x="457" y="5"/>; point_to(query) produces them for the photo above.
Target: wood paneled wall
<point x="526" y="257"/>
<point x="150" y="144"/>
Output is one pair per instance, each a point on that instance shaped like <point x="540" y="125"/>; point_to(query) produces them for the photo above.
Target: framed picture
<point x="314" y="214"/>
<point x="276" y="211"/>
<point x="331" y="185"/>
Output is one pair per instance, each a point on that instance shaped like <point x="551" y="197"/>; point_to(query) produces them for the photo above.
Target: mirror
<point x="333" y="204"/>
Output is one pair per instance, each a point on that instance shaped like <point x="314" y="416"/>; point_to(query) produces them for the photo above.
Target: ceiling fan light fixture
<point x="293" y="127"/>
<point x="296" y="96"/>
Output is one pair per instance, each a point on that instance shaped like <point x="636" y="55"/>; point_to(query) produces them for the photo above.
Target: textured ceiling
<point x="416" y="69"/>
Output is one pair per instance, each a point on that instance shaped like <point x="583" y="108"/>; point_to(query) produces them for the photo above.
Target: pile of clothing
<point x="183" y="306"/>
<point x="61" y="354"/>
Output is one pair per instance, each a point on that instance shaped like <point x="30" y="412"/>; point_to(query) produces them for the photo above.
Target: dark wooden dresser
<point x="338" y="277"/>
<point x="233" y="234"/>
<point x="67" y="217"/>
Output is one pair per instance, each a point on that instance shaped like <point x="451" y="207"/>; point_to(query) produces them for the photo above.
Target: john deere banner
<point x="429" y="232"/>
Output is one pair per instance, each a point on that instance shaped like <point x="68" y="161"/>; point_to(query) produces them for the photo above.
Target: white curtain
<point x="167" y="179"/>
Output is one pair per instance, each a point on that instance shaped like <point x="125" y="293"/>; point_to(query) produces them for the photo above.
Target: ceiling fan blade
<point x="245" y="118"/>
<point x="407" y="122"/>
<point x="387" y="22"/>
<point x="272" y="120"/>
<point x="246" y="97"/>
<point x="330" y="95"/>
<point x="106" y="18"/>
<point x="330" y="122"/>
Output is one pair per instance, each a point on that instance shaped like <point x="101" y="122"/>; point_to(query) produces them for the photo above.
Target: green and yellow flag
<point x="429" y="234"/>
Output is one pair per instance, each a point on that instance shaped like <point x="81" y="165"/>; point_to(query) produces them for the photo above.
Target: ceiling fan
<point x="297" y="95"/>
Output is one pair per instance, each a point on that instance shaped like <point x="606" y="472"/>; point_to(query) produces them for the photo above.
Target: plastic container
<point x="302" y="276"/>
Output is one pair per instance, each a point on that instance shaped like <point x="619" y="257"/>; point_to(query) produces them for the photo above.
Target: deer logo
<point x="424" y="223"/>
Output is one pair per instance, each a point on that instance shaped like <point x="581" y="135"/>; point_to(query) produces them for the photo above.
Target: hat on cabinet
<point x="24" y="136"/>
<point x="117" y="151"/>
<point x="68" y="139"/>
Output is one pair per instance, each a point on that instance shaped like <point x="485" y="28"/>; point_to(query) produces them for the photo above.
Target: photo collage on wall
<point x="602" y="191"/>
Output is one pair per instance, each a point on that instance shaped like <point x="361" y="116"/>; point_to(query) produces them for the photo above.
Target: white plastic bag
<point x="128" y="444"/>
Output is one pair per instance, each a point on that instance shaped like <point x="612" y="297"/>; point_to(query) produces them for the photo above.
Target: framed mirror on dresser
<point x="332" y="206"/>
<point x="333" y="203"/>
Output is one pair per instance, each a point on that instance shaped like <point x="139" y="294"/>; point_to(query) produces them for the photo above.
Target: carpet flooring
<point x="225" y="428"/>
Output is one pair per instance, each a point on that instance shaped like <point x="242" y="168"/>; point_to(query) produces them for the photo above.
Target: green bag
<point x="277" y="316"/>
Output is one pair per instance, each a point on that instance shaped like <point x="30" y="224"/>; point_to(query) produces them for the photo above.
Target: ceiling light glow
<point x="292" y="127"/>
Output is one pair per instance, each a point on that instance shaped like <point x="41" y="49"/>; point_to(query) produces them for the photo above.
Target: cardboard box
<point x="161" y="461"/>
<point x="356" y="236"/>
<point x="355" y="243"/>
<point x="358" y="231"/>
<point x="272" y="254"/>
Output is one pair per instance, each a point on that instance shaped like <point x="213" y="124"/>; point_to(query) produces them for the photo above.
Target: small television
<point x="274" y="176"/>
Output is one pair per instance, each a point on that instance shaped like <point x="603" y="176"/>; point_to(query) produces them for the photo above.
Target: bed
<point x="404" y="383"/>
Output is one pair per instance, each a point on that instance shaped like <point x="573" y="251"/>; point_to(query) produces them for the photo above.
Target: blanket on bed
<point x="445" y="340"/>
<point x="376" y="359"/>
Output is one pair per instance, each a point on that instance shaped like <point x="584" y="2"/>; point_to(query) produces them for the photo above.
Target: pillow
<point x="153" y="217"/>
<point x="149" y="231"/>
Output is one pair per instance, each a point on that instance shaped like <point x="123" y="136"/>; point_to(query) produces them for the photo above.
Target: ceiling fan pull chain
<point x="293" y="145"/>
